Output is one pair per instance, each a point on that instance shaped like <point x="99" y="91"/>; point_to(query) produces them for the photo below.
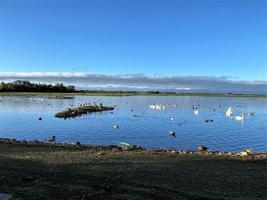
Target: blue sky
<point x="214" y="38"/>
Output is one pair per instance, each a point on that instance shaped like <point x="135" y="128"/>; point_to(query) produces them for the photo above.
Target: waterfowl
<point x="251" y="113"/>
<point x="116" y="126"/>
<point x="157" y="106"/>
<point x="229" y="112"/>
<point x="172" y="133"/>
<point x="171" y="118"/>
<point x="208" y="120"/>
<point x="240" y="117"/>
<point x="196" y="111"/>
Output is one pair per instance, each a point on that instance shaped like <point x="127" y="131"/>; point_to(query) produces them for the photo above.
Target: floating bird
<point x="157" y="106"/>
<point x="196" y="111"/>
<point x="172" y="133"/>
<point x="240" y="117"/>
<point x="171" y="118"/>
<point x="251" y="113"/>
<point x="208" y="120"/>
<point x="229" y="112"/>
<point x="116" y="126"/>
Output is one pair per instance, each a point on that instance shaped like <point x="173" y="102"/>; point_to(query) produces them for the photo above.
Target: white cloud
<point x="140" y="81"/>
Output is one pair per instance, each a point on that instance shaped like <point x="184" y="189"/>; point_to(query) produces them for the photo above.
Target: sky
<point x="192" y="42"/>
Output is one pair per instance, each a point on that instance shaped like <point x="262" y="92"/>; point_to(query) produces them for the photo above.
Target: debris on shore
<point x="84" y="109"/>
<point x="60" y="97"/>
<point x="123" y="146"/>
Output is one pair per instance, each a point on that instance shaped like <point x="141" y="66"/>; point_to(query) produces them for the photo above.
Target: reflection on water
<point x="138" y="120"/>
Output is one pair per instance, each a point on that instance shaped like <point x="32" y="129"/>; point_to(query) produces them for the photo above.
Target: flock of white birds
<point x="229" y="113"/>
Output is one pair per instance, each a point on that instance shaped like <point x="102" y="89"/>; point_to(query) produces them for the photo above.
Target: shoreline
<point x="39" y="170"/>
<point x="134" y="148"/>
<point x="120" y="94"/>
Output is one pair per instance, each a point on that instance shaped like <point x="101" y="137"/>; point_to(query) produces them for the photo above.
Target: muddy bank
<point x="202" y="150"/>
<point x="82" y="109"/>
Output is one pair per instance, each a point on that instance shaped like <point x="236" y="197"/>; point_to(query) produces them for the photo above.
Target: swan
<point x="240" y="117"/>
<point x="229" y="112"/>
<point x="152" y="106"/>
<point x="196" y="111"/>
<point x="157" y="106"/>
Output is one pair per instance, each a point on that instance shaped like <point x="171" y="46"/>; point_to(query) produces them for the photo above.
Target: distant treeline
<point x="26" y="86"/>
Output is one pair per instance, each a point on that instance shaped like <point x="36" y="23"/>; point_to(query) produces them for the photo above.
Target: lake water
<point x="19" y="119"/>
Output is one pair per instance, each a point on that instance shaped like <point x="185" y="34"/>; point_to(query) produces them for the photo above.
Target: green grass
<point x="129" y="94"/>
<point x="53" y="172"/>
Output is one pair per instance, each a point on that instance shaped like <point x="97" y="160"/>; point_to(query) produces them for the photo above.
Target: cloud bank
<point x="141" y="82"/>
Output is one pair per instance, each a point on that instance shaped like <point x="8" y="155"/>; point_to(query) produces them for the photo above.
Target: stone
<point x="202" y="148"/>
<point x="4" y="196"/>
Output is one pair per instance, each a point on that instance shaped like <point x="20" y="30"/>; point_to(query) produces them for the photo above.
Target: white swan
<point x="152" y="106"/>
<point x="196" y="112"/>
<point x="229" y="112"/>
<point x="157" y="106"/>
<point x="240" y="117"/>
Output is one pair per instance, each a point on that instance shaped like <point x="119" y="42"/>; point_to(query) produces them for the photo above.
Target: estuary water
<point x="139" y="123"/>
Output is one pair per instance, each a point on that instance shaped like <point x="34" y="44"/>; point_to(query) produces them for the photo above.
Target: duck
<point x="116" y="126"/>
<point x="172" y="133"/>
<point x="196" y="111"/>
<point x="240" y="117"/>
<point x="172" y="118"/>
<point x="251" y="113"/>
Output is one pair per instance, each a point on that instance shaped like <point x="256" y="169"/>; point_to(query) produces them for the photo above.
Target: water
<point x="19" y="119"/>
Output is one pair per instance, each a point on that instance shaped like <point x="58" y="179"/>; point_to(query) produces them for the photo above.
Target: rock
<point x="52" y="139"/>
<point x="28" y="178"/>
<point x="4" y="196"/>
<point x="13" y="140"/>
<point x="202" y="148"/>
<point x="173" y="151"/>
<point x="77" y="143"/>
<point x="35" y="141"/>
<point x="246" y="152"/>
<point x="243" y="153"/>
<point x="100" y="153"/>
<point x="24" y="142"/>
